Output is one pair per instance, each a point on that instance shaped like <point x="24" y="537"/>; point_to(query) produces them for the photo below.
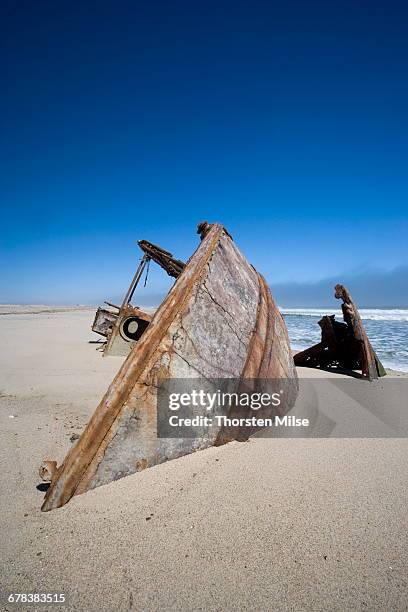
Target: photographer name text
<point x="225" y="421"/>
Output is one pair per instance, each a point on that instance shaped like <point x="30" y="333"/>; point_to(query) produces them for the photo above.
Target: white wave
<point x="368" y="314"/>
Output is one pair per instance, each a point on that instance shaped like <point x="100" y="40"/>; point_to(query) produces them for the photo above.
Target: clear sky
<point x="121" y="120"/>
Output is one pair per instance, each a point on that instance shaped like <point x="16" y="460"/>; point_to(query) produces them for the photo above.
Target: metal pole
<point x="135" y="280"/>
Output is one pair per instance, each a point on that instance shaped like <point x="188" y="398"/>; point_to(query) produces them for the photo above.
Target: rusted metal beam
<point x="173" y="267"/>
<point x="371" y="366"/>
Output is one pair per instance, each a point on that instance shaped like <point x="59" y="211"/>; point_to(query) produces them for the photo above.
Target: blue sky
<point x="124" y="120"/>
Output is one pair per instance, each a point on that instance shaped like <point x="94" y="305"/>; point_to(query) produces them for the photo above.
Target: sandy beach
<point x="269" y="524"/>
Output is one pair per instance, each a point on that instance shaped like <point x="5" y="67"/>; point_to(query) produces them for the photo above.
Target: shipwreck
<point x="219" y="320"/>
<point x="343" y="345"/>
<point x="123" y="325"/>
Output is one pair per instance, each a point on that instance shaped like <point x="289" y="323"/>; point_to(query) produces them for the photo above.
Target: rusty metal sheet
<point x="104" y="322"/>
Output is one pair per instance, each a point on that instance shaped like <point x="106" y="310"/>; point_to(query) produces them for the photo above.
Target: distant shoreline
<point x="14" y="309"/>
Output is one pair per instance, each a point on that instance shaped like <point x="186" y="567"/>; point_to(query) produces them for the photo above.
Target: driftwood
<point x="343" y="345"/>
<point x="218" y="321"/>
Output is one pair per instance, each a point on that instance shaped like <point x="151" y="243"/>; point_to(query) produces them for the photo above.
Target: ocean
<point x="387" y="330"/>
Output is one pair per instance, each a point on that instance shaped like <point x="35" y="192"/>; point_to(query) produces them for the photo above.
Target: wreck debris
<point x="164" y="259"/>
<point x="47" y="470"/>
<point x="203" y="228"/>
<point x="343" y="345"/>
<point x="124" y="325"/>
<point x="219" y="320"/>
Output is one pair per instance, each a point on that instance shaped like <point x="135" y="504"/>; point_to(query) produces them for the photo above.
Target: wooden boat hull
<point x="218" y="321"/>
